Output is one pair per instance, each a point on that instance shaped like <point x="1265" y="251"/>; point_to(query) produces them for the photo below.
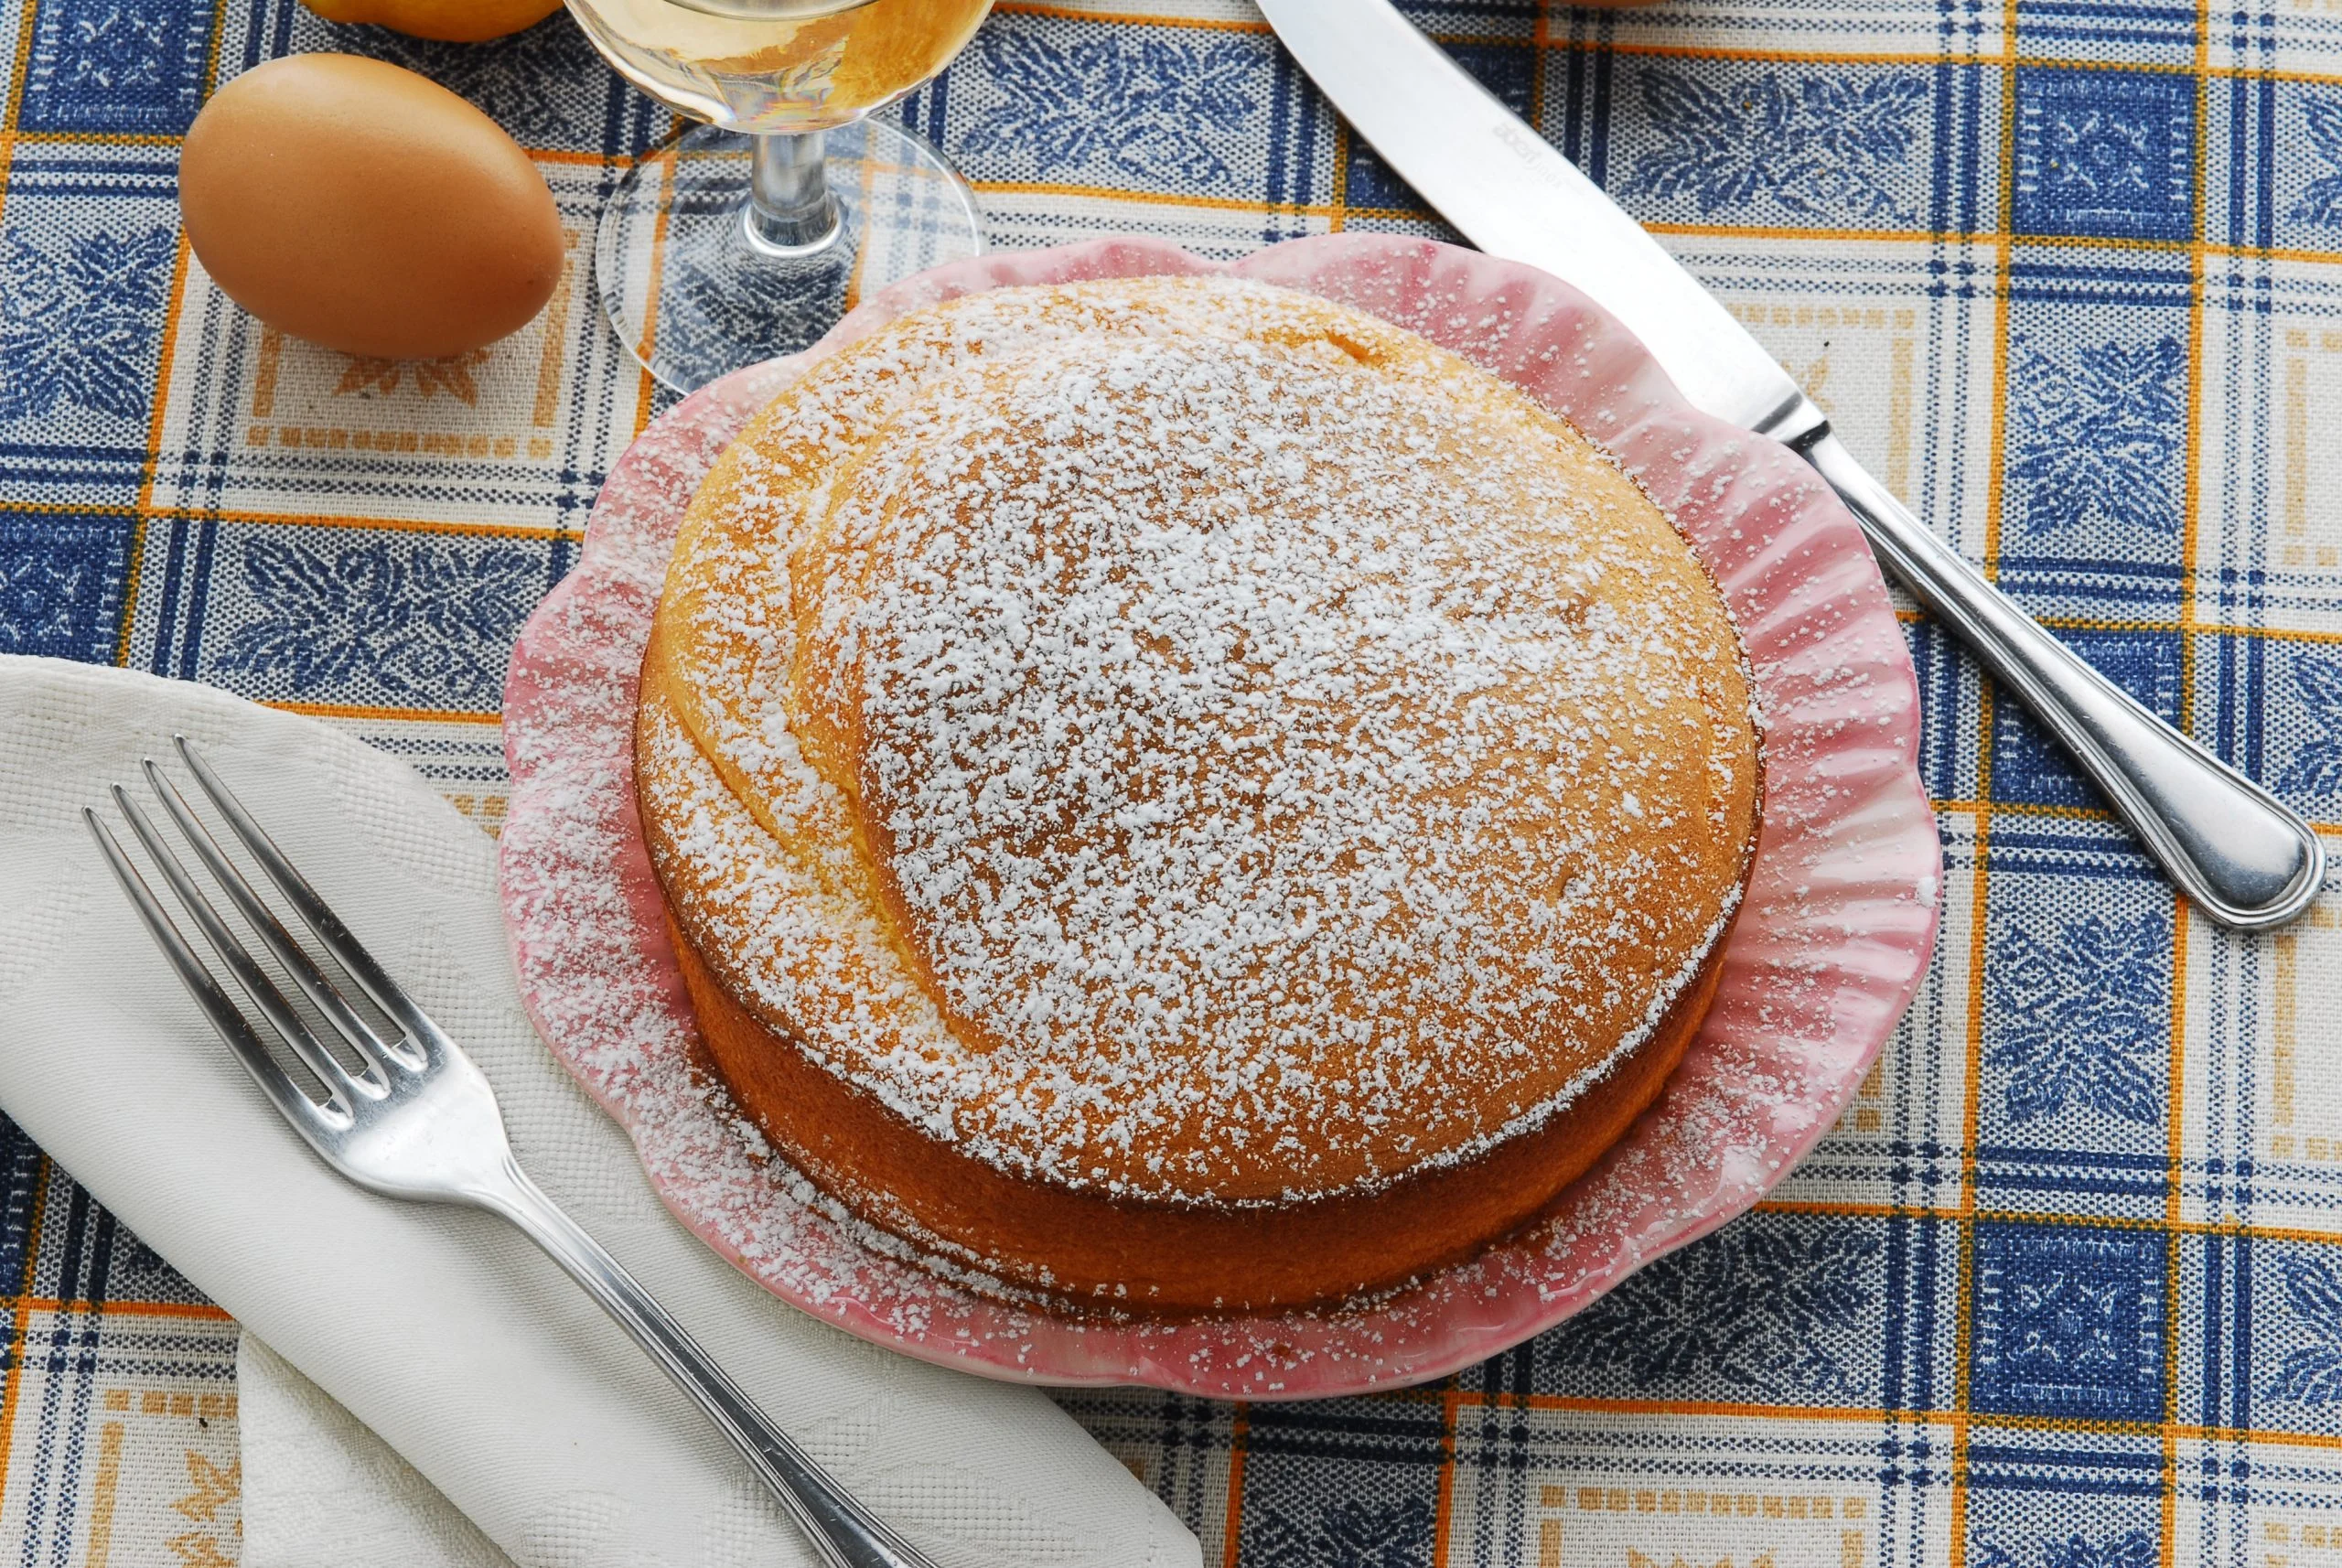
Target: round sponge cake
<point x="1176" y="794"/>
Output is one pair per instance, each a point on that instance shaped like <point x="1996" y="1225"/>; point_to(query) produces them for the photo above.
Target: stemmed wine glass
<point x="751" y="233"/>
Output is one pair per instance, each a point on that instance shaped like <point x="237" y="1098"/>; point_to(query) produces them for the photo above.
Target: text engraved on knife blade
<point x="1531" y="150"/>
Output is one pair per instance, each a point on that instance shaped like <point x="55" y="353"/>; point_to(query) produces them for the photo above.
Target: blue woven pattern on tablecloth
<point x="2064" y="1290"/>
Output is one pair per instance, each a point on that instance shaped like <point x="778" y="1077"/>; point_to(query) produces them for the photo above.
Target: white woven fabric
<point x="443" y="1331"/>
<point x="321" y="1489"/>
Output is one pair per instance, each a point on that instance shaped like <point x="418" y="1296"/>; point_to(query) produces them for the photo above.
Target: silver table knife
<point x="2238" y="854"/>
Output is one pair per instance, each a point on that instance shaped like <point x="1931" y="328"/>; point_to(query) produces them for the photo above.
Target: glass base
<point x="693" y="296"/>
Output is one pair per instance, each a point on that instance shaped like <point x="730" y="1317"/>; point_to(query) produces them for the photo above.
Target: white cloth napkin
<point x="443" y="1330"/>
<point x="321" y="1491"/>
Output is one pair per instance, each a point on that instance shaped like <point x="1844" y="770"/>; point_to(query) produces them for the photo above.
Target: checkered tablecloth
<point x="2064" y="1289"/>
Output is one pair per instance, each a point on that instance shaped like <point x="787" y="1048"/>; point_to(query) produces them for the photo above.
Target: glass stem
<point x="790" y="210"/>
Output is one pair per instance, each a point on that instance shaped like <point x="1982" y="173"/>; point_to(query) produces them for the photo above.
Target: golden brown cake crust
<point x="1083" y="1249"/>
<point x="1178" y="767"/>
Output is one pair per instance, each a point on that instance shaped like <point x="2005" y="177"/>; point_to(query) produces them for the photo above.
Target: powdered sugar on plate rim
<point x="1835" y="931"/>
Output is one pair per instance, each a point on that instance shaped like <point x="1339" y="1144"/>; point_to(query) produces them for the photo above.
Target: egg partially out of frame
<point x="360" y="205"/>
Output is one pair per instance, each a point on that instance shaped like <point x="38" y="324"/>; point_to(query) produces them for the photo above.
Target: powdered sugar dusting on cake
<point x="1838" y="919"/>
<point x="1293" y="758"/>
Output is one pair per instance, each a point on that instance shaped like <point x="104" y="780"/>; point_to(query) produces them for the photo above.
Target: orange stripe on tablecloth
<point x="75" y="509"/>
<point x="266" y="370"/>
<point x="356" y="711"/>
<point x="571" y="157"/>
<point x="9" y="138"/>
<point x="1166" y="198"/>
<point x="17" y="81"/>
<point x="2256" y="73"/>
<point x="133" y="561"/>
<point x="555" y="315"/>
<point x="646" y="387"/>
<point x="189" y="1311"/>
<point x="212" y="55"/>
<point x="2024" y="809"/>
<point x="101" y="1495"/>
<point x="323" y="519"/>
<point x="1129" y="19"/>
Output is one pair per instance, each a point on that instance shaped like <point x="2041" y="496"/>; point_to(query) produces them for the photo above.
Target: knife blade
<point x="2241" y="855"/>
<point x="1508" y="191"/>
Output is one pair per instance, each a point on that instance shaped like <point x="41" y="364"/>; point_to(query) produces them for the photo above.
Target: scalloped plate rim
<point x="1076" y="1353"/>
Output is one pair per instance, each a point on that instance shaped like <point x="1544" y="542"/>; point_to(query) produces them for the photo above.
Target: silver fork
<point x="420" y="1121"/>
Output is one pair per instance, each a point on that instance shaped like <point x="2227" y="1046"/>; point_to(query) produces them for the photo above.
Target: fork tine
<point x="338" y="1079"/>
<point x="310" y="1119"/>
<point x="322" y="923"/>
<point x="385" y="1058"/>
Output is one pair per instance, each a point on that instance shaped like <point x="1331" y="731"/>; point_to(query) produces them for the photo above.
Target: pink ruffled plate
<point x="1840" y="915"/>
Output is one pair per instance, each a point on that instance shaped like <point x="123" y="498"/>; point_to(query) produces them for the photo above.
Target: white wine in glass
<point x="750" y="235"/>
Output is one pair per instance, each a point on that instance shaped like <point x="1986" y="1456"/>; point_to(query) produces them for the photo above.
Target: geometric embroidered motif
<point x="2069" y="1322"/>
<point x="2110" y="154"/>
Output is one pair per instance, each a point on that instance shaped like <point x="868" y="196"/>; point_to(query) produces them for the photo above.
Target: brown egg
<point x="367" y="208"/>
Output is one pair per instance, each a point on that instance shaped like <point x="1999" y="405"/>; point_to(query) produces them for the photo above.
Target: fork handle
<point x="845" y="1534"/>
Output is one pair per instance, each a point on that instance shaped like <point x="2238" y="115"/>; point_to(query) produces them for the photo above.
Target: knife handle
<point x="2239" y="854"/>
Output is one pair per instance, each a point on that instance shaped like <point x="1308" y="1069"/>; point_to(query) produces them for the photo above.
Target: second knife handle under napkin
<point x="2239" y="853"/>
